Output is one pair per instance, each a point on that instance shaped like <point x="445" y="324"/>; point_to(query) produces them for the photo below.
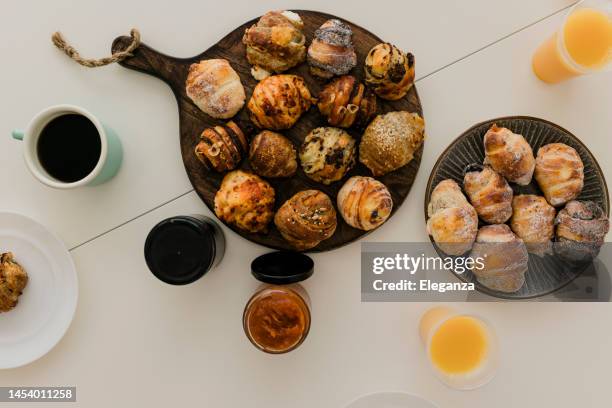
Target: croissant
<point x="581" y="229"/>
<point x="272" y="155"/>
<point x="215" y="88"/>
<point x="533" y="221"/>
<point x="559" y="172"/>
<point x="278" y="102"/>
<point x="490" y="195"/>
<point x="306" y="219"/>
<point x="509" y="154"/>
<point x="453" y="222"/>
<point x="221" y="148"/>
<point x="345" y="102"/>
<point x="331" y="51"/>
<point x="504" y="258"/>
<point x="388" y="71"/>
<point x="364" y="203"/>
<point x="275" y="44"/>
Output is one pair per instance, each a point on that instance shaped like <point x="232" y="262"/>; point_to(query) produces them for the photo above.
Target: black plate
<point x="542" y="278"/>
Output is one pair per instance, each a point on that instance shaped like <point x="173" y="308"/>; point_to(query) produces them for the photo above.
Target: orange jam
<point x="276" y="319"/>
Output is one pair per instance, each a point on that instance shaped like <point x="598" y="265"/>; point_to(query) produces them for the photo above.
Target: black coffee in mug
<point x="69" y="147"/>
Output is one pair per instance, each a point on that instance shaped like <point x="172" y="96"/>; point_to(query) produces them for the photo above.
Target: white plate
<point x="390" y="400"/>
<point x="48" y="303"/>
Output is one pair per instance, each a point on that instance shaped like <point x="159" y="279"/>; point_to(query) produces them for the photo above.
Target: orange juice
<point x="459" y="345"/>
<point x="462" y="349"/>
<point x="584" y="44"/>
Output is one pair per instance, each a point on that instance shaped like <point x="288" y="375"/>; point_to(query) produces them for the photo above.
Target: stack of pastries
<point x="513" y="226"/>
<point x="351" y="130"/>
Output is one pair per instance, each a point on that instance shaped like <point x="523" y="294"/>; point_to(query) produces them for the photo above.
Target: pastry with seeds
<point x="391" y="141"/>
<point x="215" y="88"/>
<point x="246" y="201"/>
<point x="272" y="155"/>
<point x="346" y="102"/>
<point x="221" y="148"/>
<point x="327" y="154"/>
<point x="331" y="51"/>
<point x="389" y="71"/>
<point x="306" y="219"/>
<point x="364" y="203"/>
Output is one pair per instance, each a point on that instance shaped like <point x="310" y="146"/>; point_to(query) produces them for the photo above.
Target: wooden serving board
<point x="193" y="121"/>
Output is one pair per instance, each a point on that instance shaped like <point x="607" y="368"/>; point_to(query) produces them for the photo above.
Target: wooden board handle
<point x="149" y="61"/>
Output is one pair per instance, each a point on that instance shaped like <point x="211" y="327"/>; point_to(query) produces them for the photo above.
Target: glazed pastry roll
<point x="581" y="229"/>
<point x="504" y="256"/>
<point x="490" y="195"/>
<point x="559" y="172"/>
<point x="245" y="201"/>
<point x="272" y="155"/>
<point x="453" y="222"/>
<point x="215" y="88"/>
<point x="390" y="141"/>
<point x="509" y="154"/>
<point x="221" y="148"/>
<point x="332" y="52"/>
<point x="389" y="71"/>
<point x="533" y="221"/>
<point x="275" y="43"/>
<point x="364" y="203"/>
<point x="278" y="102"/>
<point x="306" y="219"/>
<point x="345" y="102"/>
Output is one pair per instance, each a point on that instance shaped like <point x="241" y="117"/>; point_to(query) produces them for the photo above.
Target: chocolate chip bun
<point x="389" y="71"/>
<point x="327" y="154"/>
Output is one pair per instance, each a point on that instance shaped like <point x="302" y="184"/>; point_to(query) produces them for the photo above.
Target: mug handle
<point x="17" y="134"/>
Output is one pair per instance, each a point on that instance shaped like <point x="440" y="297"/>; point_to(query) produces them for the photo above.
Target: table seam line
<point x="484" y="47"/>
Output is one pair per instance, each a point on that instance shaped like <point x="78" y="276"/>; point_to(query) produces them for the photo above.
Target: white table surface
<point x="138" y="342"/>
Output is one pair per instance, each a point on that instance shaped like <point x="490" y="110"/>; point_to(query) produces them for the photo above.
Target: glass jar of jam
<point x="277" y="317"/>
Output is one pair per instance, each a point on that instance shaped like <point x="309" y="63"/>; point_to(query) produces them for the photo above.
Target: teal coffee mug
<point x="68" y="147"/>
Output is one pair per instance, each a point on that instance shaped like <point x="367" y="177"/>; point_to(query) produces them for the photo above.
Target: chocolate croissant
<point x="453" y="222"/>
<point x="533" y="221"/>
<point x="275" y="43"/>
<point x="272" y="155"/>
<point x="331" y="51"/>
<point x="221" y="148"/>
<point x="388" y="71"/>
<point x="490" y="195"/>
<point x="278" y="102"/>
<point x="364" y="203"/>
<point x="581" y="229"/>
<point x="306" y="219"/>
<point x="346" y="102"/>
<point x="559" y="172"/>
<point x="504" y="258"/>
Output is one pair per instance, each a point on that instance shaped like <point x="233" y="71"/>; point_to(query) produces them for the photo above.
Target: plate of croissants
<point x="300" y="130"/>
<point x="525" y="195"/>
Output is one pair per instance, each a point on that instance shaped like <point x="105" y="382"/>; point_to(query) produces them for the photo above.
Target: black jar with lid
<point x="181" y="249"/>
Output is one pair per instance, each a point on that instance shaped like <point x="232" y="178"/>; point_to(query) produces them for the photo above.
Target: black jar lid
<point x="282" y="267"/>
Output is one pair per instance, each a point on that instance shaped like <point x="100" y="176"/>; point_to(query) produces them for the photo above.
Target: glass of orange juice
<point x="582" y="45"/>
<point x="461" y="348"/>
